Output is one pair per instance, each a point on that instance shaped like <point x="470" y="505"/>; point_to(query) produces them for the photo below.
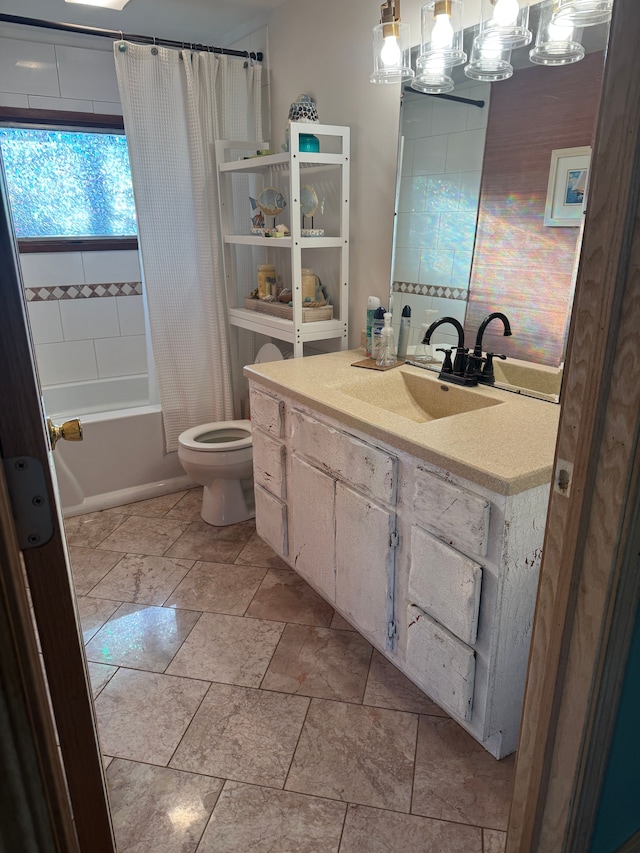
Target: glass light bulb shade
<point x="490" y="61"/>
<point x="433" y="83"/>
<point x="557" y="42"/>
<point x="391" y="53"/>
<point x="441" y="32"/>
<point x="506" y="20"/>
<point x="583" y="13"/>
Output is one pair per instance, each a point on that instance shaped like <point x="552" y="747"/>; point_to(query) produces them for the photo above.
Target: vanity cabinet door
<point x="271" y="521"/>
<point x="365" y="564"/>
<point x="312" y="511"/>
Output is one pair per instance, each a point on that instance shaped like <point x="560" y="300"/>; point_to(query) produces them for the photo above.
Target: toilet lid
<point x="220" y="436"/>
<point x="268" y="352"/>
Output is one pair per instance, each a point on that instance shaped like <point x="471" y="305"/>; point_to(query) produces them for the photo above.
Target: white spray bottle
<point x="424" y="352"/>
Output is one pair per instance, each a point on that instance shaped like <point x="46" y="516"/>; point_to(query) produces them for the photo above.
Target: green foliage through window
<point x="65" y="183"/>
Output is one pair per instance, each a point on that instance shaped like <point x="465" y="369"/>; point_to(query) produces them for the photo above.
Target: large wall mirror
<point x="470" y="236"/>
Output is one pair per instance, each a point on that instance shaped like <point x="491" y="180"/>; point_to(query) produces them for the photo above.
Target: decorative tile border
<point x="54" y="292"/>
<point x="431" y="290"/>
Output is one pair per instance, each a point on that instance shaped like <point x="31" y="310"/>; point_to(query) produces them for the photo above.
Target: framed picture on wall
<point x="567" y="187"/>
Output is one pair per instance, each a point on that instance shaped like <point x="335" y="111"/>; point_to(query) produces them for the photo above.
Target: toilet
<point x="219" y="456"/>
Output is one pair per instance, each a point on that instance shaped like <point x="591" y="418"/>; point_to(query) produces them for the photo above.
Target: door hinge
<point x="394" y="539"/>
<point x="391" y="629"/>
<point x="30" y="505"/>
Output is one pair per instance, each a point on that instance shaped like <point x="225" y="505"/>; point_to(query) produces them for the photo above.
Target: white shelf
<point x="285" y="242"/>
<point x="257" y="322"/>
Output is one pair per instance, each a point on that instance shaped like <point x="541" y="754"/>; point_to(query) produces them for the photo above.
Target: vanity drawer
<point x="271" y="521"/>
<point x="440" y="663"/>
<point x="269" y="464"/>
<point x="367" y="468"/>
<point x="445" y="584"/>
<point x="267" y="412"/>
<point x="452" y="513"/>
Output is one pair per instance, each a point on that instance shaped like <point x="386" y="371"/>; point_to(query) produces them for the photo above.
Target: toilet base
<point x="225" y="502"/>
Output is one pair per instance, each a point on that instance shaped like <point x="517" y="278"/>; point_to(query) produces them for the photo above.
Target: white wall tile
<point x="413" y="192"/>
<point x="477" y="117"/>
<point x="70" y="361"/>
<point x="408" y="150"/>
<point x="443" y="192"/>
<point x="470" y="190"/>
<point x="44" y="319"/>
<point x="416" y="230"/>
<point x="465" y="151"/>
<point x="89" y="318"/>
<point x="406" y="264"/>
<point x="448" y="116"/>
<point x="28" y="67"/>
<point x="38" y="102"/>
<point x="107" y="108"/>
<point x="121" y="356"/>
<point x="461" y="272"/>
<point x="416" y="117"/>
<point x="455" y="308"/>
<point x="430" y="156"/>
<point x="87" y="74"/>
<point x="457" y="231"/>
<point x="131" y="315"/>
<point x="49" y="268"/>
<point x="435" y="267"/>
<point x="107" y="267"/>
<point x="9" y="100"/>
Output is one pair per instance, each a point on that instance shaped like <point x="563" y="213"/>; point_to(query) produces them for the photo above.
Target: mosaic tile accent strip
<point x="430" y="290"/>
<point x="52" y="293"/>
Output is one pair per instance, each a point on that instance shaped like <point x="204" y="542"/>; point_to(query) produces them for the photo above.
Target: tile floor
<point x="238" y="712"/>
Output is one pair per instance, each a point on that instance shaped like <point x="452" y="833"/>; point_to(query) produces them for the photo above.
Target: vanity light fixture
<point x="557" y="41"/>
<point x="505" y="22"/>
<point x="583" y="13"/>
<point x="391" y="46"/>
<point x="433" y="77"/>
<point x="442" y="34"/>
<point x="105" y="4"/>
<point x="490" y="61"/>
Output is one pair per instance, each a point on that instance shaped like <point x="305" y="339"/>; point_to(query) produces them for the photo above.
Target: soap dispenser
<point x="424" y="352"/>
<point x="387" y="354"/>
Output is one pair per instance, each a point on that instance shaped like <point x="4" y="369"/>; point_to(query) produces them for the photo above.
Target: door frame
<point x="589" y="587"/>
<point x="22" y="435"/>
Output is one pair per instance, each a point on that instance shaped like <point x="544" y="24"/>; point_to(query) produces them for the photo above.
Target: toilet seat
<point x="221" y="436"/>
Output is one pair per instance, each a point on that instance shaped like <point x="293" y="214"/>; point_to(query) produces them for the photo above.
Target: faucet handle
<point x="488" y="374"/>
<point x="474" y="363"/>
<point x="447" y="367"/>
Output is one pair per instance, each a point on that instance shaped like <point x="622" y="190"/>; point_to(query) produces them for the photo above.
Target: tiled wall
<point x="85" y="308"/>
<point x="437" y="204"/>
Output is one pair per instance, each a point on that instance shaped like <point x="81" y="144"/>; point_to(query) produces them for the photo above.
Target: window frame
<point x="76" y="121"/>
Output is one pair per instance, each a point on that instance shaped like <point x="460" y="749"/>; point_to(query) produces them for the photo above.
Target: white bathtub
<point x="121" y="458"/>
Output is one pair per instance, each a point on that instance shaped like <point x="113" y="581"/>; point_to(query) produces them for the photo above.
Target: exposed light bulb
<point x="442" y="33"/>
<point x="390" y="53"/>
<point x="559" y="31"/>
<point x="505" y="12"/>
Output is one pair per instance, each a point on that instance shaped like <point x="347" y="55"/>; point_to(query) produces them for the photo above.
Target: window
<point x="68" y="185"/>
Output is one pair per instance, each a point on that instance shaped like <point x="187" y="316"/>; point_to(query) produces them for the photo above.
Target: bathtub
<point x="122" y="456"/>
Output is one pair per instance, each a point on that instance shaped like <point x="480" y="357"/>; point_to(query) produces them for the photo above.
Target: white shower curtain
<point x="175" y="104"/>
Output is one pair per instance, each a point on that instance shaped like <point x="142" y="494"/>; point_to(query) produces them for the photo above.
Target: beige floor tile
<point x="258" y="553"/>
<point x="356" y="754"/>
<point x="99" y="675"/>
<point x="94" y="612"/>
<point x="188" y="508"/>
<point x="153" y="507"/>
<point x="141" y="637"/>
<point x="148" y="536"/>
<point x="228" y="649"/>
<point x="243" y="734"/>
<point x="320" y="662"/>
<point x="339" y="623"/>
<point x="201" y="541"/>
<point x="106" y="760"/>
<point x="143" y="715"/>
<point x="494" y="841"/>
<point x="217" y="588"/>
<point x="92" y="528"/>
<point x="264" y="820"/>
<point x="89" y="566"/>
<point x="142" y="580"/>
<point x="286" y="597"/>
<point x="387" y="687"/>
<point x="159" y="809"/>
<point x="456" y="779"/>
<point x="369" y="830"/>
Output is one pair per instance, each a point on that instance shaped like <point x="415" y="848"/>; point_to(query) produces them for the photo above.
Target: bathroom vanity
<point x="418" y="511"/>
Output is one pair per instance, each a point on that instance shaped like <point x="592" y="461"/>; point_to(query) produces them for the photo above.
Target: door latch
<point x="28" y="494"/>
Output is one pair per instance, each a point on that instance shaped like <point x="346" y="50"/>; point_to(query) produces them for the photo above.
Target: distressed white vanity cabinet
<point x="438" y="572"/>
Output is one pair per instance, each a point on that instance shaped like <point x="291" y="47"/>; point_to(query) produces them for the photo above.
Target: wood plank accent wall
<point x="521" y="266"/>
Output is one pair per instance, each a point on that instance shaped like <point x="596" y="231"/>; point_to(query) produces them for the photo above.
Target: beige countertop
<point x="503" y="441"/>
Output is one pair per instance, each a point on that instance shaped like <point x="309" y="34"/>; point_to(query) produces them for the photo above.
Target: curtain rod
<point x="118" y="34"/>
<point x="445" y="97"/>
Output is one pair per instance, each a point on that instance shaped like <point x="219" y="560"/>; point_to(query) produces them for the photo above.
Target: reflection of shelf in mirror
<point x="281" y="161"/>
<point x="256" y="321"/>
<point x="286" y="242"/>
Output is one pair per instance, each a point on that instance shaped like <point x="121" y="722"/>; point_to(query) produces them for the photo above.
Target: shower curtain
<point x="175" y="105"/>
